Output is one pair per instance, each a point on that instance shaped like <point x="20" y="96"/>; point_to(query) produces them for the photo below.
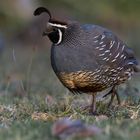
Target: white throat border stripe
<point x="58" y="25"/>
<point x="60" y="37"/>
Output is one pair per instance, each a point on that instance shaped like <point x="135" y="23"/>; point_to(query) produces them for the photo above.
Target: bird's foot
<point x="90" y="110"/>
<point x="94" y="113"/>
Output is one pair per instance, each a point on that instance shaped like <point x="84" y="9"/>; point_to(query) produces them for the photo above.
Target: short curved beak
<point x="44" y="34"/>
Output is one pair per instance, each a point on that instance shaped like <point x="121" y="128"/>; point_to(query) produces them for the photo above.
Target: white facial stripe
<point x="58" y="25"/>
<point x="60" y="37"/>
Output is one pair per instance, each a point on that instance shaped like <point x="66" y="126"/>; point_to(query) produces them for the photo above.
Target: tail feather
<point x="136" y="68"/>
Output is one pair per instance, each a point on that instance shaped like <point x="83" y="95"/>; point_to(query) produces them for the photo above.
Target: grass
<point x="27" y="119"/>
<point x="28" y="111"/>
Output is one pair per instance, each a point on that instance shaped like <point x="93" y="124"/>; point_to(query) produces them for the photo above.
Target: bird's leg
<point x="114" y="93"/>
<point x="118" y="98"/>
<point x="112" y="98"/>
<point x="93" y="105"/>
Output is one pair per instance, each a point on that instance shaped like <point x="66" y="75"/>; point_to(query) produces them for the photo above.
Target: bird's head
<point x="55" y="29"/>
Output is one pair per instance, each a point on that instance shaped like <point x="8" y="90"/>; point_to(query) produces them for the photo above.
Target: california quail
<point x="88" y="58"/>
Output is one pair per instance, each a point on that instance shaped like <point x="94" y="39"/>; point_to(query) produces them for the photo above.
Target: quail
<point x="88" y="58"/>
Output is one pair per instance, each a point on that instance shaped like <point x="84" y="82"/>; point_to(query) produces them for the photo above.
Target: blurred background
<point x="25" y="54"/>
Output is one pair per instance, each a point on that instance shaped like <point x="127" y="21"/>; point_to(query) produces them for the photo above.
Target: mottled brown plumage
<point x="88" y="58"/>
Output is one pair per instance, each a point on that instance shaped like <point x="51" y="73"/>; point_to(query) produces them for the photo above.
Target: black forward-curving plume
<point x="41" y="10"/>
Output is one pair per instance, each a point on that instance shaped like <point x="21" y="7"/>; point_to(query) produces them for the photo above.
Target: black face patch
<point x="54" y="36"/>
